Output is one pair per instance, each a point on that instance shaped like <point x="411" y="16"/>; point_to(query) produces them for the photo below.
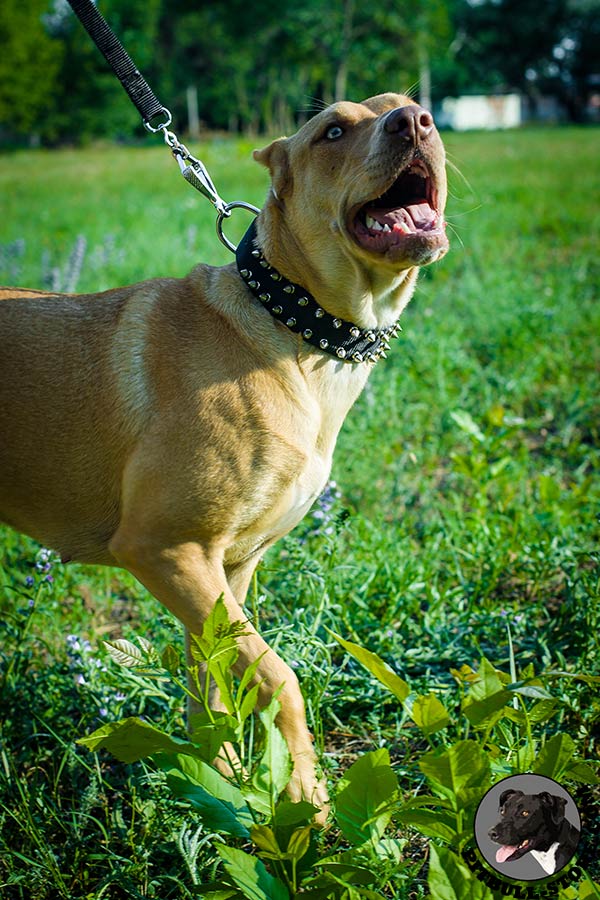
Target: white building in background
<point x="484" y="112"/>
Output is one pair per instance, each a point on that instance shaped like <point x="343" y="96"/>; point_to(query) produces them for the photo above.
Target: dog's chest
<point x="547" y="858"/>
<point x="299" y="432"/>
<point x="280" y="510"/>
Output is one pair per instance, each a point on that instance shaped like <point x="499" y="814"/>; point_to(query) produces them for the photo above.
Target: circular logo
<point x="527" y="827"/>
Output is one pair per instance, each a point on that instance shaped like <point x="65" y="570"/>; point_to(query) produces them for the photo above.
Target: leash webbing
<point x="138" y="89"/>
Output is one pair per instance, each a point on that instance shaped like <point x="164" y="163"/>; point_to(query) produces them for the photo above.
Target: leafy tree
<point x="29" y="65"/>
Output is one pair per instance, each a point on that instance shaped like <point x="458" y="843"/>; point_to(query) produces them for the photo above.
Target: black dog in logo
<point x="536" y="824"/>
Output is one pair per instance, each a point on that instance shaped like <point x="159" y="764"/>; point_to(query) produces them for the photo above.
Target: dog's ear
<point x="275" y="158"/>
<point x="555" y="806"/>
<point x="509" y="793"/>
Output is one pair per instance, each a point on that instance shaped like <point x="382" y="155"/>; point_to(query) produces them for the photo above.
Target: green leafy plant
<point x="490" y="736"/>
<point x="502" y="714"/>
<point x="248" y="804"/>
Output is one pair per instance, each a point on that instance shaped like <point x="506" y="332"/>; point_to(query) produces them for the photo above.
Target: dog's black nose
<point x="413" y="123"/>
<point x="493" y="834"/>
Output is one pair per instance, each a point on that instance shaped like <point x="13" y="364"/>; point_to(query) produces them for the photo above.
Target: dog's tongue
<point x="503" y="853"/>
<point x="420" y="215"/>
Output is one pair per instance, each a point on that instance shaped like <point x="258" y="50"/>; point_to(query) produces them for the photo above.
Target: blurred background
<point x="262" y="67"/>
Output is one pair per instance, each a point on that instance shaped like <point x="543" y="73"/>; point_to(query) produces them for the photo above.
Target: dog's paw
<point x="304" y="785"/>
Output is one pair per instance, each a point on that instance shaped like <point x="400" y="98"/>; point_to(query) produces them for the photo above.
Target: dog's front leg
<point x="188" y="578"/>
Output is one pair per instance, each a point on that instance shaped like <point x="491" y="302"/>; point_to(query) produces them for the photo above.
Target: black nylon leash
<point x="138" y="89"/>
<point x="149" y="106"/>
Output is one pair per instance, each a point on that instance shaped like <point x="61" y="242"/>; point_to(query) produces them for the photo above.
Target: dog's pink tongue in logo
<point x="503" y="853"/>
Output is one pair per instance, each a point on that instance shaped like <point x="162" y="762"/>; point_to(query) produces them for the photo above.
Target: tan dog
<point x="176" y="427"/>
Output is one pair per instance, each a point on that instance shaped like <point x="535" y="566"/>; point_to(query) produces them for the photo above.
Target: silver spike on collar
<point x="300" y="312"/>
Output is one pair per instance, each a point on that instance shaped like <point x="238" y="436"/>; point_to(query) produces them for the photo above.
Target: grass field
<point x="466" y="515"/>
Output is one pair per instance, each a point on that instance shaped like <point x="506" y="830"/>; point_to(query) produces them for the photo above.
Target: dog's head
<point x="365" y="183"/>
<point x="527" y="822"/>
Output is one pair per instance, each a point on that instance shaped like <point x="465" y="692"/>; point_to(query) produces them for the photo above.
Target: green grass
<point x="469" y="481"/>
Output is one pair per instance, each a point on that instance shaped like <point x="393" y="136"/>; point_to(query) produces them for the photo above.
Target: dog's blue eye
<point x="334" y="133"/>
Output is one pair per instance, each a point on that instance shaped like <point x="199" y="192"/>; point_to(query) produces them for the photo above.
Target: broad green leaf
<point x="554" y="756"/>
<point x="249" y="674"/>
<point x="132" y="739"/>
<point x="429" y="714"/>
<point x="219" y="634"/>
<point x="364" y="789"/>
<point x="466" y="423"/>
<point x="376" y="667"/>
<point x="289" y="813"/>
<point x="430" y="823"/>
<point x="425" y="800"/>
<point x="460" y="772"/>
<point x="299" y="843"/>
<point x="218" y="892"/>
<point x="249" y="874"/>
<point x="592" y="680"/>
<point x="125" y="653"/>
<point x="147" y="648"/>
<point x="488" y="681"/>
<point x="209" y="737"/>
<point x="275" y="768"/>
<point x="259" y="800"/>
<point x="170" y="659"/>
<point x="266" y="841"/>
<point x="486" y="696"/>
<point x="589" y="890"/>
<point x="185" y="772"/>
<point x="450" y="879"/>
<point x="216" y="815"/>
<point x="249" y="702"/>
<point x="220" y="668"/>
<point x="542" y="711"/>
<point x="353" y="874"/>
<point x="530" y="690"/>
<point x="482" y="712"/>
<point x="391" y="849"/>
<point x="581" y="771"/>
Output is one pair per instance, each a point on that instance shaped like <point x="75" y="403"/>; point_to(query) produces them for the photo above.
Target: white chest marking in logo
<point x="547" y="858"/>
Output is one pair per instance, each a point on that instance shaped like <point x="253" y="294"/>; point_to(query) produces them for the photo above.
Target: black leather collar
<point x="300" y="312"/>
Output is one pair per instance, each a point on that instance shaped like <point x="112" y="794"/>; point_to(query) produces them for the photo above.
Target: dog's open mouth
<point x="407" y="208"/>
<point x="507" y="852"/>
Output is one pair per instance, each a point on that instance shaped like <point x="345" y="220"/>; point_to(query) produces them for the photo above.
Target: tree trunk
<point x="424" y="71"/>
<point x="192" y="111"/>
<point x="341" y="75"/>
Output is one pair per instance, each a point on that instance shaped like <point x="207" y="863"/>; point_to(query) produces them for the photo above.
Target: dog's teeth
<point x="374" y="225"/>
<point x="386" y="228"/>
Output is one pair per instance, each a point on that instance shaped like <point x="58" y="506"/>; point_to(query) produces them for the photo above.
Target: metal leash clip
<point x="194" y="171"/>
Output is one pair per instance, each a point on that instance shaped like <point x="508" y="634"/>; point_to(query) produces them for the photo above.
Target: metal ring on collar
<point x="225" y="213"/>
<point x="169" y="119"/>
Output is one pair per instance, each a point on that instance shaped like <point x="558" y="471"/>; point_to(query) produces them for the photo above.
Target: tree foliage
<point x="262" y="67"/>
